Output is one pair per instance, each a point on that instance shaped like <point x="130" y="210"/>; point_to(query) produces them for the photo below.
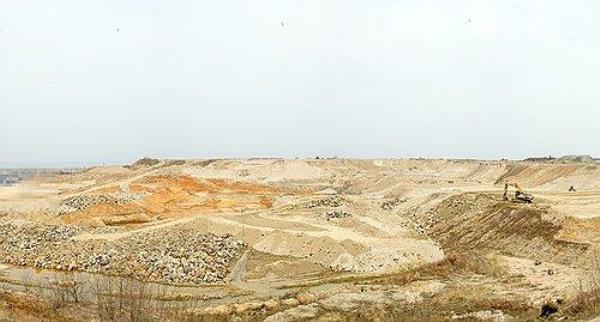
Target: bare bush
<point x="64" y="290"/>
<point x="125" y="299"/>
<point x="586" y="302"/>
<point x="120" y="299"/>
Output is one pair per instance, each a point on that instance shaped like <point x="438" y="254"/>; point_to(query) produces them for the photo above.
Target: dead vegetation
<point x="452" y="265"/>
<point x="24" y="306"/>
<point x="64" y="291"/>
<point x="442" y="308"/>
<point x="586" y="301"/>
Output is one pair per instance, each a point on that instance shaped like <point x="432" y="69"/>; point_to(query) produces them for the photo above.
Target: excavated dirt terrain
<point x="286" y="240"/>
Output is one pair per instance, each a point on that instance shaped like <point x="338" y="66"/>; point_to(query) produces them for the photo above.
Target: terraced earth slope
<point x="310" y="239"/>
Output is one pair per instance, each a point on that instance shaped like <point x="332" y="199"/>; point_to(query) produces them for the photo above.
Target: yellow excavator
<point x="520" y="195"/>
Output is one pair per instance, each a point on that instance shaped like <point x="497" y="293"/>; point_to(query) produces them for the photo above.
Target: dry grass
<point x="457" y="300"/>
<point x="64" y="291"/>
<point x="586" y="302"/>
<point x="128" y="300"/>
<point x="24" y="306"/>
<point x="453" y="264"/>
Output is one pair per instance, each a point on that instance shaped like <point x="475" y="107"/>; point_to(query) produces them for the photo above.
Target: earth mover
<point x="520" y="195"/>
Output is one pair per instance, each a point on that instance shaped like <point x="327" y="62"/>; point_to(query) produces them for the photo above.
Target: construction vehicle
<point x="520" y="195"/>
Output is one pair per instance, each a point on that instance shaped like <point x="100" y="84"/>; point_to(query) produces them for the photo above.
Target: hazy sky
<point x="111" y="81"/>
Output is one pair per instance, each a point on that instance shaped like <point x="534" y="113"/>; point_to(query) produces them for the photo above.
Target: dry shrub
<point x="65" y="290"/>
<point x="27" y="304"/>
<point x="440" y="308"/>
<point x="586" y="302"/>
<point x="444" y="269"/>
<point x="478" y="298"/>
<point x="121" y="299"/>
<point x="126" y="299"/>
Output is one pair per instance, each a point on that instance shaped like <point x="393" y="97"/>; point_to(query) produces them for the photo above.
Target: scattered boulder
<point x="329" y="202"/>
<point x="338" y="214"/>
<point x="391" y="204"/>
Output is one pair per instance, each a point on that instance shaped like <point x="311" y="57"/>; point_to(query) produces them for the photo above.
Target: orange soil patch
<point x="171" y="196"/>
<point x="162" y="200"/>
<point x="113" y="209"/>
<point x="215" y="203"/>
<point x="192" y="185"/>
<point x="137" y="188"/>
<point x="94" y="213"/>
<point x="240" y="187"/>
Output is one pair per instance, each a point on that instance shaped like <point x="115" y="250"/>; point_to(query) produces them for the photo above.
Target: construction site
<point x="304" y="239"/>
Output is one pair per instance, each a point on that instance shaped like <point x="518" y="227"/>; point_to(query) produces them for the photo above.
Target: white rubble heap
<point x="179" y="256"/>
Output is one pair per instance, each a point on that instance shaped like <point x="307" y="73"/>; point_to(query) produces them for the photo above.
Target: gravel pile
<point x="337" y="215"/>
<point x="330" y="202"/>
<point x="424" y="223"/>
<point x="78" y="203"/>
<point x="176" y="256"/>
<point x="391" y="204"/>
<point x="123" y="198"/>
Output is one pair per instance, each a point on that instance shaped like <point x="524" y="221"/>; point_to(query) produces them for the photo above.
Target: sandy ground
<point x="295" y="237"/>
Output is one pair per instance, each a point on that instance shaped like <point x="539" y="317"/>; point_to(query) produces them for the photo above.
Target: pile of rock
<point x="123" y="198"/>
<point x="391" y="204"/>
<point x="180" y="257"/>
<point x="423" y="224"/>
<point x="329" y="202"/>
<point x="82" y="202"/>
<point x="337" y="215"/>
<point x="176" y="256"/>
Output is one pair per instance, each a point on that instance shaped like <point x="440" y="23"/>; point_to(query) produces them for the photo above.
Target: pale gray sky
<point x="111" y="81"/>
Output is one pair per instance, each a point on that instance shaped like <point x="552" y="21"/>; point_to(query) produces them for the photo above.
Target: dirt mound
<point x="478" y="222"/>
<point x="147" y="162"/>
